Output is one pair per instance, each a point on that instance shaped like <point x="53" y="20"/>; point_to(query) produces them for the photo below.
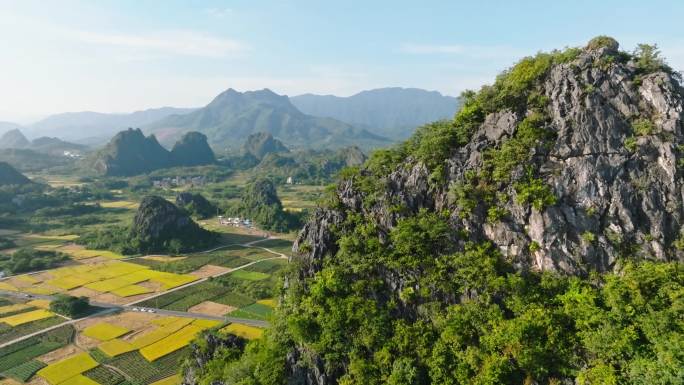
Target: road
<point x="111" y="308"/>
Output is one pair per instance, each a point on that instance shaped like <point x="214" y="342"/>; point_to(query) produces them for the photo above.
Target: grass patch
<point x="249" y="275"/>
<point x="254" y="311"/>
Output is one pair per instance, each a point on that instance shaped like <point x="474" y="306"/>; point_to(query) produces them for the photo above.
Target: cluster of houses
<point x="237" y="221"/>
<point x="180" y="181"/>
<point x="72" y="154"/>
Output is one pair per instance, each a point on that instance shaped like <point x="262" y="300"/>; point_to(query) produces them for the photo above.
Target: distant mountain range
<point x="95" y="127"/>
<point x="15" y="139"/>
<point x="391" y="112"/>
<point x="368" y="119"/>
<point x="232" y="116"/>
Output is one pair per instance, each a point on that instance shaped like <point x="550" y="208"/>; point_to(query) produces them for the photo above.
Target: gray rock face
<point x="614" y="199"/>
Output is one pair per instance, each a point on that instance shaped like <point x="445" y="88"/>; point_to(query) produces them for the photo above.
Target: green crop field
<point x="269" y="267"/>
<point x="25" y="371"/>
<point x="233" y="299"/>
<point x="104" y="376"/>
<point x="277" y="245"/>
<point x="28" y="349"/>
<point x="195" y="261"/>
<point x="135" y="366"/>
<point x="254" y="311"/>
<point x="11" y="333"/>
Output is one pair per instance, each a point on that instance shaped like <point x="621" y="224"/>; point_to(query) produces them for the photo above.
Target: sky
<point x="128" y="55"/>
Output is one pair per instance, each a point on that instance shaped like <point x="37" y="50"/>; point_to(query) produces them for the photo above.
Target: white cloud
<point x="189" y="43"/>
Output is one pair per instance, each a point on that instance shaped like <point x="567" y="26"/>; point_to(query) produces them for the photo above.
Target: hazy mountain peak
<point x="13" y="139"/>
<point x="232" y="116"/>
<point x="394" y="112"/>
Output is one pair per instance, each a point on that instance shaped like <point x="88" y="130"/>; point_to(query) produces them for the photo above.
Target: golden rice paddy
<point x="244" y="331"/>
<point x="104" y="331"/>
<point x="30" y="316"/>
<point x="62" y="371"/>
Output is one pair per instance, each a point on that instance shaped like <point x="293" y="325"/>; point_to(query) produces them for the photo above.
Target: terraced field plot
<point x="104" y="331"/>
<point x="20" y="353"/>
<point x="244" y="331"/>
<point x="117" y="279"/>
<point x="64" y="370"/>
<point x="144" y="348"/>
<point x="239" y="289"/>
<point x="254" y="311"/>
<point x="229" y="257"/>
<point x="19" y="318"/>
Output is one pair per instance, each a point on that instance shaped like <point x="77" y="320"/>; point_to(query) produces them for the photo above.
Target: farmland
<point x="130" y="347"/>
<point x="240" y="289"/>
<point x="237" y="280"/>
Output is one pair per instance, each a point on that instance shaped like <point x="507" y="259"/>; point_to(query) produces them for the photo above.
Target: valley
<point x="291" y="193"/>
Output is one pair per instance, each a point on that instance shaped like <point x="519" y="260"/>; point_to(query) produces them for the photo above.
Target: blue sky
<point x="119" y="56"/>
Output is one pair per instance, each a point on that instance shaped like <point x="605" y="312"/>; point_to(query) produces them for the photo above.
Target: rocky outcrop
<point x="612" y="167"/>
<point x="261" y="144"/>
<point x="192" y="150"/>
<point x="131" y="153"/>
<point x="159" y="225"/>
<point x="196" y="204"/>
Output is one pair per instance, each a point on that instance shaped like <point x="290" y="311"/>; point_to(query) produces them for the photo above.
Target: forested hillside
<point x="534" y="239"/>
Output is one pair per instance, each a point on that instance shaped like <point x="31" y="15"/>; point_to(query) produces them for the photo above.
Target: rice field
<point x="116" y="347"/>
<point x="244" y="331"/>
<point x="27" y="317"/>
<point x="120" y="278"/>
<point x="104" y="331"/>
<point x="64" y="370"/>
<point x="170" y="343"/>
<point x="147" y="358"/>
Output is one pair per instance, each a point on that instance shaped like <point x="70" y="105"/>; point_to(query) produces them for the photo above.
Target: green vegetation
<point x="419" y="303"/>
<point x="25" y="260"/>
<point x="589" y="237"/>
<point x="104" y="376"/>
<point x="18" y="354"/>
<point x="135" y="366"/>
<point x="8" y="333"/>
<point x="23" y="372"/>
<point x="631" y="144"/>
<point x="253" y="311"/>
<point x="602" y="42"/>
<point x="239" y="289"/>
<point x="643" y="127"/>
<point x="261" y="204"/>
<point x="69" y="306"/>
